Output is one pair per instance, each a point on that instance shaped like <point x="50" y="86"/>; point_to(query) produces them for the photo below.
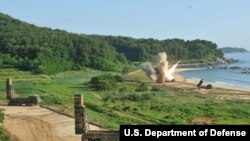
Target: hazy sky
<point x="225" y="22"/>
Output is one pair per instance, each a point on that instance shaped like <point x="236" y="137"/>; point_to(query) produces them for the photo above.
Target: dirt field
<point x="39" y="124"/>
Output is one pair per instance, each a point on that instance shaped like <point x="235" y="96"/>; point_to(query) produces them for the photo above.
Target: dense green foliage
<point x="48" y="51"/>
<point x="104" y="82"/>
<point x="176" y="49"/>
<point x="142" y="88"/>
<point x="43" y="50"/>
<point x="233" y="50"/>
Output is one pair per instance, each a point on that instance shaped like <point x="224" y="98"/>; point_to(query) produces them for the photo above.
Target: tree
<point x="44" y="50"/>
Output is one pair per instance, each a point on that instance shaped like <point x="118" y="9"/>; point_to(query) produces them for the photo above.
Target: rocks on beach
<point x="246" y="70"/>
<point x="230" y="61"/>
<point x="220" y="63"/>
<point x="226" y="60"/>
<point x="232" y="68"/>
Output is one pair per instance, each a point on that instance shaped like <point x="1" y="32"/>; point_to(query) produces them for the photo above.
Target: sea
<point x="230" y="75"/>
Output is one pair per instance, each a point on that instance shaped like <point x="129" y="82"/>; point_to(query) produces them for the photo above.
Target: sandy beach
<point x="181" y="79"/>
<point x="190" y="86"/>
<point x="219" y="91"/>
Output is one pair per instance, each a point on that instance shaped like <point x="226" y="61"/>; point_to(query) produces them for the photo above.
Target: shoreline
<point x="180" y="79"/>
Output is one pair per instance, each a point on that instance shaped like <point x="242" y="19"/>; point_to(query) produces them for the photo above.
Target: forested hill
<point x="233" y="50"/>
<point x="43" y="50"/>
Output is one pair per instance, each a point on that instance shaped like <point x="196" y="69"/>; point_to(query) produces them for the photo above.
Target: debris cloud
<point x="149" y="70"/>
<point x="160" y="73"/>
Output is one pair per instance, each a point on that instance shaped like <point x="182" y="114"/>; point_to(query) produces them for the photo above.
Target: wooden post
<point x="9" y="88"/>
<point x="80" y="116"/>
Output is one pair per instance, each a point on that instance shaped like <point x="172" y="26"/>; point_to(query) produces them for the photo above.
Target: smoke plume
<point x="149" y="70"/>
<point x="161" y="73"/>
<point x="161" y="57"/>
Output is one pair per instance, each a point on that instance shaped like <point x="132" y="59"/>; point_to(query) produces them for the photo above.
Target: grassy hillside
<point x="44" y="50"/>
<point x="125" y="104"/>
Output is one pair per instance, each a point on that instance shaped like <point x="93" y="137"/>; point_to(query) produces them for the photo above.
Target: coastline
<point x="188" y="69"/>
<point x="180" y="79"/>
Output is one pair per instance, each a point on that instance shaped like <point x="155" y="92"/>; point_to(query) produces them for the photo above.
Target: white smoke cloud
<point x="149" y="70"/>
<point x="161" y="57"/>
<point x="161" y="73"/>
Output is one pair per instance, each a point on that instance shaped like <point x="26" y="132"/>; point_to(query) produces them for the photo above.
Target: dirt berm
<point x="39" y="124"/>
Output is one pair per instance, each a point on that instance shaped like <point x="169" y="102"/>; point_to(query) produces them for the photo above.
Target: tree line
<point x="48" y="51"/>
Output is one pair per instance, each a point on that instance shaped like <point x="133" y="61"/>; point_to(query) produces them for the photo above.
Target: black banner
<point x="163" y="132"/>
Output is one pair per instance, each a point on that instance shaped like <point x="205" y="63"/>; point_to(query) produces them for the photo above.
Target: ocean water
<point x="225" y="77"/>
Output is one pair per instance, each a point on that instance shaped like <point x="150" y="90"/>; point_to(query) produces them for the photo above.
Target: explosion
<point x="160" y="73"/>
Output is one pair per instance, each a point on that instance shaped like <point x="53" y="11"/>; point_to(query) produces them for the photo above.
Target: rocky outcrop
<point x="246" y="70"/>
<point x="226" y="60"/>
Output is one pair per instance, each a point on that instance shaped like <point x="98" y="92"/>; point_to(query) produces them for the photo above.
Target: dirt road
<point x="39" y="124"/>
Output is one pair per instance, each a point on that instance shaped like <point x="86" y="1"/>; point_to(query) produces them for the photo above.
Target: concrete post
<point x="9" y="88"/>
<point x="80" y="116"/>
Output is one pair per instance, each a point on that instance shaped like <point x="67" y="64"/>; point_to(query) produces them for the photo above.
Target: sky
<point x="225" y="22"/>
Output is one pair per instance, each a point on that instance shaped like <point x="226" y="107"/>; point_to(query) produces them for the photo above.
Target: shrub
<point x="118" y="78"/>
<point x="126" y="108"/>
<point x="4" y="136"/>
<point x="135" y="109"/>
<point x="123" y="89"/>
<point x="1" y="116"/>
<point x="51" y="100"/>
<point x="103" y="82"/>
<point x="155" y="89"/>
<point x="142" y="88"/>
<point x="136" y="97"/>
<point x="125" y="70"/>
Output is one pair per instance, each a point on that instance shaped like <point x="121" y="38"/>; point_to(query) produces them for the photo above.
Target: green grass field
<point x="124" y="105"/>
